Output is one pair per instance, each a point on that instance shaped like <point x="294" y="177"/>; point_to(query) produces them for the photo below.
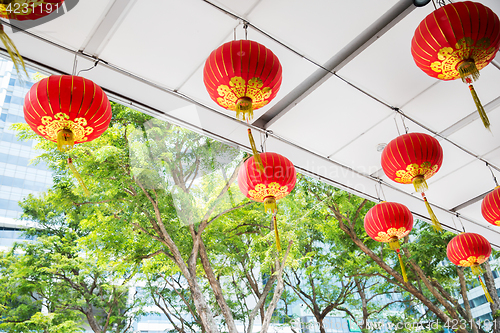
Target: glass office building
<point x="18" y="177"/>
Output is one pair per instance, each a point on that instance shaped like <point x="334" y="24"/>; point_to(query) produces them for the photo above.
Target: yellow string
<point x="77" y="176"/>
<point x="276" y="234"/>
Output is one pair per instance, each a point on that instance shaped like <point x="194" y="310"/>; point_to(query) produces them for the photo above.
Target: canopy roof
<point x="349" y="81"/>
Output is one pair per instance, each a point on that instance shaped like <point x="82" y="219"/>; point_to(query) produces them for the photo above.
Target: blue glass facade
<point x="18" y="177"/>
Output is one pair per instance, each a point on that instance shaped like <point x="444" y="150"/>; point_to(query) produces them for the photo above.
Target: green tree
<point x="59" y="273"/>
<point x="429" y="284"/>
<point x="155" y="190"/>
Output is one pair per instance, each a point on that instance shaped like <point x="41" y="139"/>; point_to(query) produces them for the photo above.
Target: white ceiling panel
<point x="72" y="28"/>
<point x="494" y="158"/>
<point x="320" y="28"/>
<point x="460" y="186"/>
<point x="238" y="7"/>
<point x="453" y="159"/>
<point x="329" y="118"/>
<point x="476" y="138"/>
<point x="386" y="68"/>
<point x="171" y="41"/>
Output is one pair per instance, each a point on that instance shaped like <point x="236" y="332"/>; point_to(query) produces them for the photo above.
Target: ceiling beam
<point x="343" y="57"/>
<point x="469" y="202"/>
<point x="106" y="27"/>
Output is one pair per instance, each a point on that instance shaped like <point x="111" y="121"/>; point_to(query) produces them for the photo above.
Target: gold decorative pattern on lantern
<point x="464" y="50"/>
<point x="413" y="170"/>
<point x="239" y="88"/>
<point x="51" y="126"/>
<point x="472" y="260"/>
<point x="392" y="232"/>
<point x="262" y="191"/>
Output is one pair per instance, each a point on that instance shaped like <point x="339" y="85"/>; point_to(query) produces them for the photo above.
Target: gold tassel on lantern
<point x="468" y="71"/>
<point x="270" y="205"/>
<point x="65" y="139"/>
<point x="256" y="155"/>
<point x="480" y="109"/>
<point x="77" y="175"/>
<point x="403" y="270"/>
<point x="486" y="293"/>
<point x="244" y="108"/>
<point x="276" y="234"/>
<point x="435" y="222"/>
<point x="13" y="52"/>
<point x="420" y="184"/>
<point x="394" y="245"/>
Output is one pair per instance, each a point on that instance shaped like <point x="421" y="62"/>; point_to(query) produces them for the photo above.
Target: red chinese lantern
<point x="275" y="182"/>
<point x="456" y="41"/>
<point x="21" y="11"/>
<point x="67" y="110"/>
<point x="413" y="158"/>
<point x="388" y="222"/>
<point x="243" y="76"/>
<point x="470" y="250"/>
<point x="490" y="207"/>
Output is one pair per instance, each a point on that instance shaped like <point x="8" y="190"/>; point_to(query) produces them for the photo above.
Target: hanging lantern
<point x="67" y="110"/>
<point x="388" y="222"/>
<point x="275" y="182"/>
<point x="413" y="158"/>
<point x="22" y="10"/>
<point x="456" y="41"/>
<point x="470" y="250"/>
<point x="490" y="207"/>
<point x="243" y="76"/>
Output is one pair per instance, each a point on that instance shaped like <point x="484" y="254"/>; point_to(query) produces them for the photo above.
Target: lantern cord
<point x="381" y="189"/>
<point x="402" y="115"/>
<point x="256" y="155"/>
<point x="460" y="220"/>
<point x="396" y="122"/>
<point x="403" y="270"/>
<point x="480" y="108"/>
<point x="77" y="176"/>
<point x="492" y="174"/>
<point x="435" y="222"/>
<point x="454" y="224"/>
<point x="245" y="26"/>
<point x="378" y="194"/>
<point x="263" y="146"/>
<point x="486" y="293"/>
<point x="88" y="69"/>
<point x="276" y="234"/>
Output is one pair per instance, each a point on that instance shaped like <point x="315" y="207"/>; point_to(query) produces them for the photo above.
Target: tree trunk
<point x="277" y="292"/>
<point x="489" y="281"/>
<point x="320" y="323"/>
<point x="206" y="316"/>
<point x="91" y="320"/>
<point x="214" y="283"/>
<point x="463" y="291"/>
<point x="260" y="304"/>
<point x="364" y="303"/>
